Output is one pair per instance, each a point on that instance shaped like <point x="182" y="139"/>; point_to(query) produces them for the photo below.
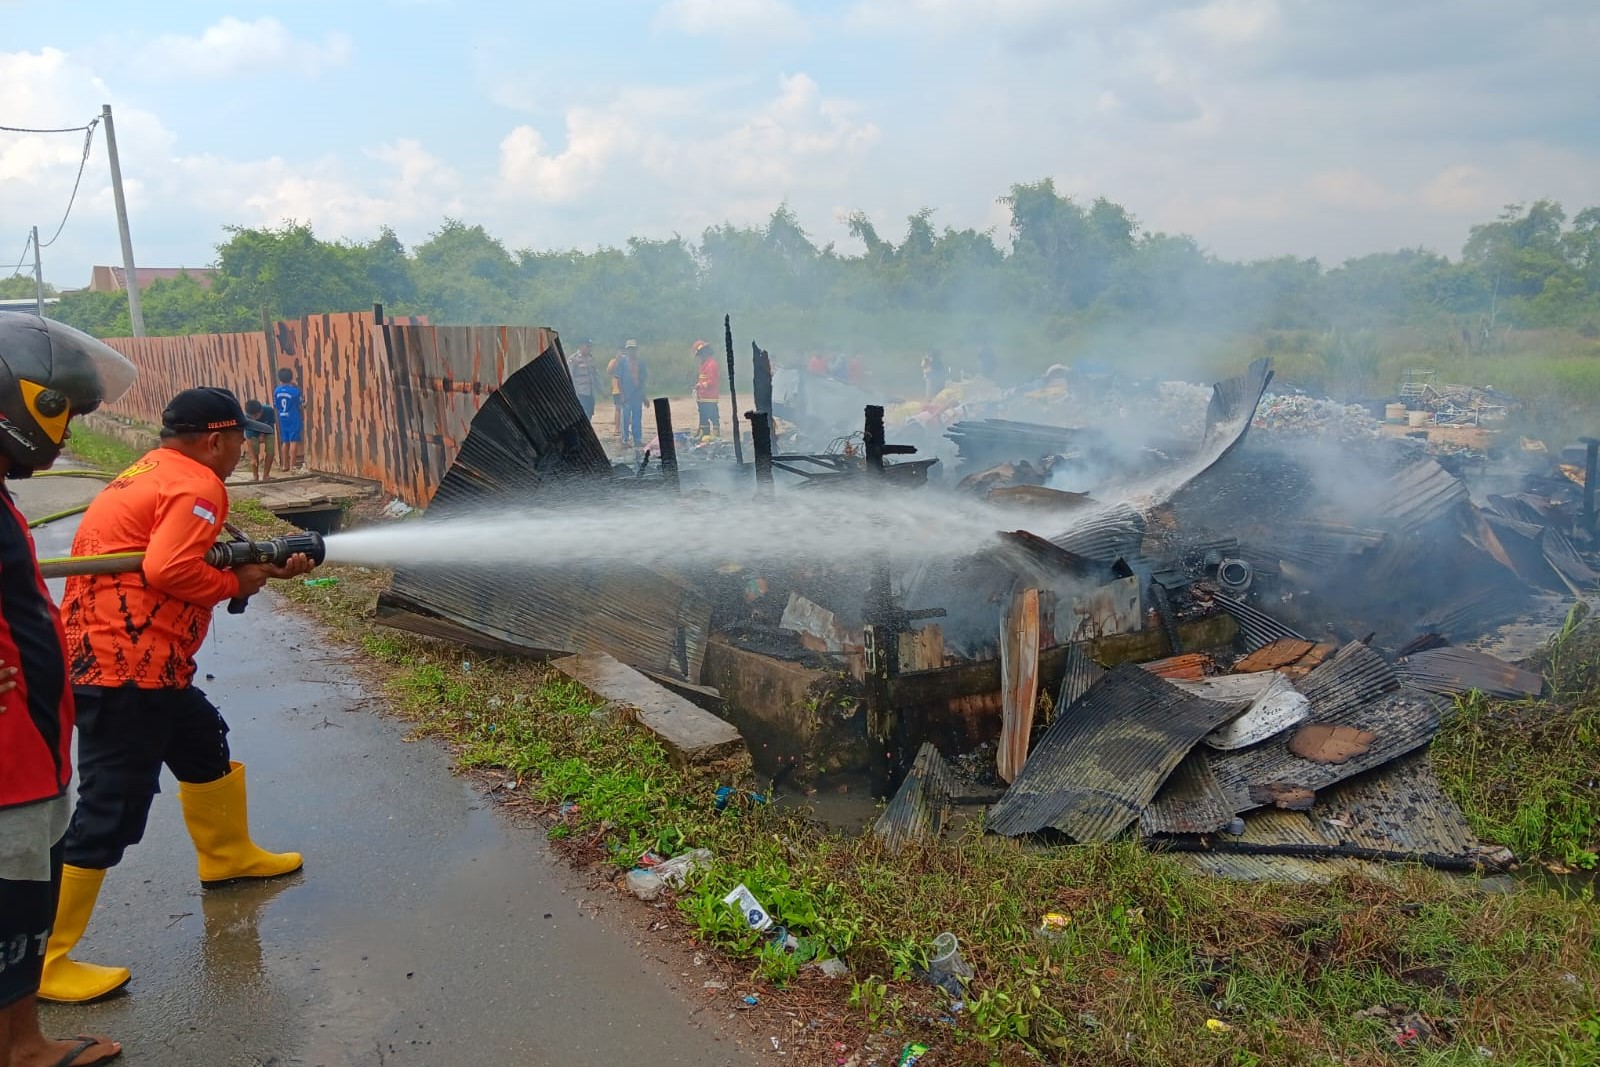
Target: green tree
<point x="22" y="287"/>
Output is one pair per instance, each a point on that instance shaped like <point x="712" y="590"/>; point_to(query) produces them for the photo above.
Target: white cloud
<point x="745" y="20"/>
<point x="671" y="154"/>
<point x="232" y="48"/>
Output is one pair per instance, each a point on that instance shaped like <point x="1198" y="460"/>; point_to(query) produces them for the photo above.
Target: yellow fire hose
<point x="108" y="563"/>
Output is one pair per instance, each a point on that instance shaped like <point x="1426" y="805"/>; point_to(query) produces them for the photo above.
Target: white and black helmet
<point x="50" y="372"/>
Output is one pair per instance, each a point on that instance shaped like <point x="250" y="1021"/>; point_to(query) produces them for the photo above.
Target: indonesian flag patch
<point x="206" y="510"/>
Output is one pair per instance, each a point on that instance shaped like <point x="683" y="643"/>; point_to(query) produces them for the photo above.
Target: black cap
<point x="207" y="410"/>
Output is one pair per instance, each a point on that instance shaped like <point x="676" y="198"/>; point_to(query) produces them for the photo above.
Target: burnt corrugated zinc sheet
<point x="1453" y="671"/>
<point x="1190" y="802"/>
<point x="1417" y="495"/>
<point x="1079" y="676"/>
<point x="531" y="446"/>
<point x="918" y="810"/>
<point x="1097" y="768"/>
<point x="1355" y="688"/>
<point x="1257" y="629"/>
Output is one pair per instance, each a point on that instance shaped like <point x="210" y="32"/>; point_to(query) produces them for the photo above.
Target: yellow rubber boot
<point x="219" y="824"/>
<point x="65" y="980"/>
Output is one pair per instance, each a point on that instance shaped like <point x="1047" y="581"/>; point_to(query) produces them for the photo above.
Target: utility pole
<point x="130" y="277"/>
<point x="38" y="278"/>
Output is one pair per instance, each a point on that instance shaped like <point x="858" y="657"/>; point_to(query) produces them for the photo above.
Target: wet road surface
<point x="425" y="928"/>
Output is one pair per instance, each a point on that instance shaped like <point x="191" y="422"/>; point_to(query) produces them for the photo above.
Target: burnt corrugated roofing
<point x="1079" y="676"/>
<point x="1400" y="808"/>
<point x="1353" y="676"/>
<point x="1190" y="802"/>
<point x="1257" y="629"/>
<point x="918" y="810"/>
<point x="1400" y="722"/>
<point x="1112" y="533"/>
<point x="532" y="445"/>
<point x="1453" y="671"/>
<point x="1563" y="558"/>
<point x="1097" y="768"/>
<point x="1475" y="611"/>
<point x="1419" y="494"/>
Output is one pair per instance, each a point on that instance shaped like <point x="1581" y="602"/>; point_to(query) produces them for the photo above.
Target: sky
<point x="1262" y="127"/>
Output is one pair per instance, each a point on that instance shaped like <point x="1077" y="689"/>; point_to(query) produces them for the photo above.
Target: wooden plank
<point x="690" y="734"/>
<point x="1019" y="672"/>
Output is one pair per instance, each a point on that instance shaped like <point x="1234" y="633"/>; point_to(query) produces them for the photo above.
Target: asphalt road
<point x="425" y="929"/>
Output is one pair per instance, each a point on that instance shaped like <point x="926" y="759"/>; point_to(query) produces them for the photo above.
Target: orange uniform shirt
<point x="143" y="628"/>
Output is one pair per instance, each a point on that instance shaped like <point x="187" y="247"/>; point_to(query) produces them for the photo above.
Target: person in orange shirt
<point x="131" y="642"/>
<point x="708" y="390"/>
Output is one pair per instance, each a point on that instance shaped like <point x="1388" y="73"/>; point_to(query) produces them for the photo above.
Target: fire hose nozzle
<point x="274" y="552"/>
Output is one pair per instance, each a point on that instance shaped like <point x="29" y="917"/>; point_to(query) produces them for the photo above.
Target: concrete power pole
<point x="130" y="277"/>
<point x="38" y="277"/>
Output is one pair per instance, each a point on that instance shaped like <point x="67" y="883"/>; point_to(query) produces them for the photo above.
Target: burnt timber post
<point x="733" y="391"/>
<point x="762" y="377"/>
<point x="1591" y="471"/>
<point x="665" y="442"/>
<point x="761" y="438"/>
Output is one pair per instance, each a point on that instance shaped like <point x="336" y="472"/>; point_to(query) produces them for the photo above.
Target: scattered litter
<point x="946" y="968"/>
<point x="911" y="1054"/>
<point x="397" y="509"/>
<point x="1217" y="1026"/>
<point x="1053" y="923"/>
<point x="321" y="583"/>
<point x="749" y="908"/>
<point x="834" y="967"/>
<point x="751" y="999"/>
<point x="714" y="984"/>
<point x="647" y="883"/>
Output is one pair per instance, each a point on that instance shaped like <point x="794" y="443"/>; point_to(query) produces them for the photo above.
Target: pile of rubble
<point x="1236" y="645"/>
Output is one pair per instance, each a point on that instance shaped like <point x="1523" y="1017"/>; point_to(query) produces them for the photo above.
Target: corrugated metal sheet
<point x="531" y="443"/>
<point x="919" y="808"/>
<point x="1111" y="533"/>
<point x="1309" y="542"/>
<point x="1476" y="611"/>
<point x="1400" y="808"/>
<point x="1563" y="558"/>
<point x="1190" y="802"/>
<point x="1419" y="494"/>
<point x="1401" y="721"/>
<point x="1079" y="677"/>
<point x="1354" y="676"/>
<point x="1243" y="867"/>
<point x="1187" y="667"/>
<point x="1452" y="671"/>
<point x="1097" y="769"/>
<point x="1257" y="629"/>
<point x="1272" y="706"/>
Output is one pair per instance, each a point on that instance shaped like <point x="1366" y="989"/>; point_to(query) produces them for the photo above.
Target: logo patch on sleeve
<point x="206" y="510"/>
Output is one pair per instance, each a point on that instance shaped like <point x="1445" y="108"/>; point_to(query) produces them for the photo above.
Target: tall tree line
<point x="1062" y="262"/>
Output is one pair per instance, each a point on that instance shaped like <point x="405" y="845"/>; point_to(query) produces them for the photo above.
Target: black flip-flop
<point x="84" y="1045"/>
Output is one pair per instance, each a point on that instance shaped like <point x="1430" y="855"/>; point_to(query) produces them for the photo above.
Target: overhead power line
<point x="88" y="143"/>
<point x="56" y="129"/>
<point x="27" y="244"/>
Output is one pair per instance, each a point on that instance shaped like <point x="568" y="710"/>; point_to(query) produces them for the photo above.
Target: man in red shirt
<point x="708" y="390"/>
<point x="131" y="641"/>
<point x="48" y="373"/>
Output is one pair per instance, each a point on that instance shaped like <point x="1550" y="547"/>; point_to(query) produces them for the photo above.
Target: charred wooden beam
<point x="668" y="444"/>
<point x="761" y="438"/>
<point x="762" y="377"/>
<point x="733" y="392"/>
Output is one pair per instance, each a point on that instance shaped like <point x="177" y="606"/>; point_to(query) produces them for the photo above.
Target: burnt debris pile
<point x="1223" y="620"/>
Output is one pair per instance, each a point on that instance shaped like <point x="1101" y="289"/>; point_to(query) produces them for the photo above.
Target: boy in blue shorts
<point x="288" y="406"/>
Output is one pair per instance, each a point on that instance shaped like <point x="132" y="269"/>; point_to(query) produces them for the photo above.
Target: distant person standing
<point x="289" y="407"/>
<point x="933" y="373"/>
<point x="708" y="390"/>
<point x="261" y="444"/>
<point x="634" y="377"/>
<point x="616" y="394"/>
<point x="581" y="366"/>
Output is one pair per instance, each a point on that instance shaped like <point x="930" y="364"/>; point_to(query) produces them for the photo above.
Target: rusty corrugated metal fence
<point x="390" y="404"/>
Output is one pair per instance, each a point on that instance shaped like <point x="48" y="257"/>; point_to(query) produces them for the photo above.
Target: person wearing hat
<point x="633" y="378"/>
<point x="581" y="369"/>
<point x="49" y="373"/>
<point x="708" y="390"/>
<point x="131" y="641"/>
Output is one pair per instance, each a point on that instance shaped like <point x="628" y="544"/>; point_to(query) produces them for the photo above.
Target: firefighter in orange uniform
<point x="708" y="390"/>
<point x="131" y="642"/>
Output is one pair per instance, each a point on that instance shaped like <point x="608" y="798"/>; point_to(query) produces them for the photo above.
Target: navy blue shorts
<point x="289" y="432"/>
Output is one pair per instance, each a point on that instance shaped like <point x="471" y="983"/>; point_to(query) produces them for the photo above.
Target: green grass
<point x="100" y="451"/>
<point x="1527" y="773"/>
<point x="1297" y="974"/>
